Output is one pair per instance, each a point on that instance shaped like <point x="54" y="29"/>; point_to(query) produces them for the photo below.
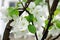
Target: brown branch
<point x="51" y="13"/>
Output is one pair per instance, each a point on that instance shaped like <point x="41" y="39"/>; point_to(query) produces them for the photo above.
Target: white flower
<point x="40" y="11"/>
<point x="37" y="11"/>
<point x="45" y="11"/>
<point x="19" y="27"/>
<point x="32" y="5"/>
<point x="39" y="22"/>
<point x="20" y="23"/>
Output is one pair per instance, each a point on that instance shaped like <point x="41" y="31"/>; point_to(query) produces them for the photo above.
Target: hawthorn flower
<point x="37" y="10"/>
<point x="32" y="5"/>
<point x="45" y="11"/>
<point x="19" y="27"/>
<point x="39" y="22"/>
<point x="40" y="11"/>
<point x="20" y="23"/>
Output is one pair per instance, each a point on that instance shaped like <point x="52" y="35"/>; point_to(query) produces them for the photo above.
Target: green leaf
<point x="50" y="27"/>
<point x="38" y="1"/>
<point x="12" y="11"/>
<point x="57" y="23"/>
<point x="32" y="28"/>
<point x="28" y="9"/>
<point x="30" y="18"/>
<point x="56" y="12"/>
<point x="24" y="0"/>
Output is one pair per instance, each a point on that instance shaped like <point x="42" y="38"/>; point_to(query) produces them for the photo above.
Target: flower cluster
<point x="39" y="15"/>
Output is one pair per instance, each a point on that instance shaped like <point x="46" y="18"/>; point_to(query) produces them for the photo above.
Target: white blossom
<point x="39" y="22"/>
<point x="40" y="11"/>
<point x="32" y="5"/>
<point x="20" y="27"/>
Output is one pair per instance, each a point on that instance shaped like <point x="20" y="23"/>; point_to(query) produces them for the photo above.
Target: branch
<point x="51" y="13"/>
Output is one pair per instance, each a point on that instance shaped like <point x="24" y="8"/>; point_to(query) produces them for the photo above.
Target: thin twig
<point x="35" y="33"/>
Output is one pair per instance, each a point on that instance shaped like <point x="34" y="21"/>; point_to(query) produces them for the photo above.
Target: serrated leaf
<point x="50" y="27"/>
<point x="38" y="1"/>
<point x="12" y="11"/>
<point x="32" y="28"/>
<point x="30" y="18"/>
